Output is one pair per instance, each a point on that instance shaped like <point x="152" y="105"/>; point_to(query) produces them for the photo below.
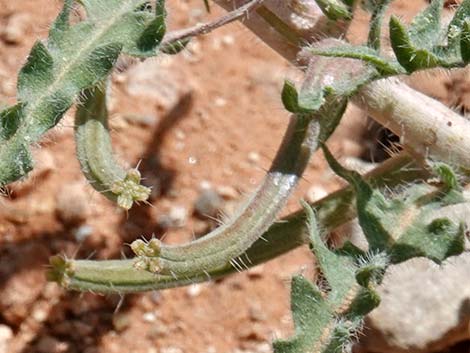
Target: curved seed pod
<point x="309" y="124"/>
<point x="332" y="211"/>
<point x="94" y="151"/>
<point x="228" y="241"/>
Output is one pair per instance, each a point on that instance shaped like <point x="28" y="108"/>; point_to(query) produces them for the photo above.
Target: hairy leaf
<point x="326" y="320"/>
<point x="73" y="58"/>
<point x="401" y="226"/>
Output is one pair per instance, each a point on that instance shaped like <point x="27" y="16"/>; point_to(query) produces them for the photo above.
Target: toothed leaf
<point x="398" y="226"/>
<point x="329" y="262"/>
<point x="376" y="214"/>
<point x="325" y="322"/>
<point x="437" y="241"/>
<point x="310" y="314"/>
<point x="37" y="74"/>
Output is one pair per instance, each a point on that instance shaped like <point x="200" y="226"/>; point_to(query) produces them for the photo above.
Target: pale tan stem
<point x="287" y="25"/>
<point x="425" y="125"/>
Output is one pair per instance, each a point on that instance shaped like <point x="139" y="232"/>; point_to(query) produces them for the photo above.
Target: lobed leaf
<point x="325" y="320"/>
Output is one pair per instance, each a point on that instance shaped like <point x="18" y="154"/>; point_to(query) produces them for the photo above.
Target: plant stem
<point x="425" y="125"/>
<point x="286" y="25"/>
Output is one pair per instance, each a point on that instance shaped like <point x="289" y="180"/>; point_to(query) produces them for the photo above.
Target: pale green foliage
<point x="401" y="226"/>
<point x="73" y="58"/>
<point x="325" y="320"/>
<point x="336" y="9"/>
<point x="425" y="44"/>
<point x="396" y="230"/>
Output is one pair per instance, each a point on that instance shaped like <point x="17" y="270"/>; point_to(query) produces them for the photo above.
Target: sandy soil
<point x="208" y="118"/>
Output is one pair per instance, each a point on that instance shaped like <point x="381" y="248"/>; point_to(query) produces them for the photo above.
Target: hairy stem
<point x="424" y="124"/>
<point x="281" y="237"/>
<point x="286" y="25"/>
<point x="172" y="38"/>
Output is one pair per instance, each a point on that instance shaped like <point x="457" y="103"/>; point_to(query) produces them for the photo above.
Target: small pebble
<point x="73" y="206"/>
<point x="256" y="313"/>
<point x="255" y="272"/>
<point x="6" y="334"/>
<point x="253" y="157"/>
<point x="39" y="315"/>
<point x="48" y="344"/>
<point x="228" y="192"/>
<point x="228" y="39"/>
<point x="149" y="317"/>
<point x="121" y="321"/>
<point x="208" y="204"/>
<point x="194" y="290"/>
<point x="176" y="218"/>
<point x="205" y="185"/>
<point x="15" y="29"/>
<point x="220" y="102"/>
<point x="315" y="193"/>
<point x="171" y="350"/>
<point x="82" y="232"/>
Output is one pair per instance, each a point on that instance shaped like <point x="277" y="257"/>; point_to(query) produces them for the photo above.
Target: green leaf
<point x="37" y="74"/>
<point x="408" y="55"/>
<point x="398" y="226"/>
<point x="455" y="26"/>
<point x="465" y="41"/>
<point x="425" y="29"/>
<point x="75" y="57"/>
<point x="306" y="102"/>
<point x="290" y="97"/>
<point x="329" y="262"/>
<point x="310" y="314"/>
<point x="437" y="241"/>
<point x="335" y="9"/>
<point x="376" y="214"/>
<point x="326" y="321"/>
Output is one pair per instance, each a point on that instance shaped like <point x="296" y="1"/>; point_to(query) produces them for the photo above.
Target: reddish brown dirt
<point x="224" y="131"/>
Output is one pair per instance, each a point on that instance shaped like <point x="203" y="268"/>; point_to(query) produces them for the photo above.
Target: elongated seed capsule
<point x="227" y="242"/>
<point x="95" y="153"/>
<point x="124" y="276"/>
